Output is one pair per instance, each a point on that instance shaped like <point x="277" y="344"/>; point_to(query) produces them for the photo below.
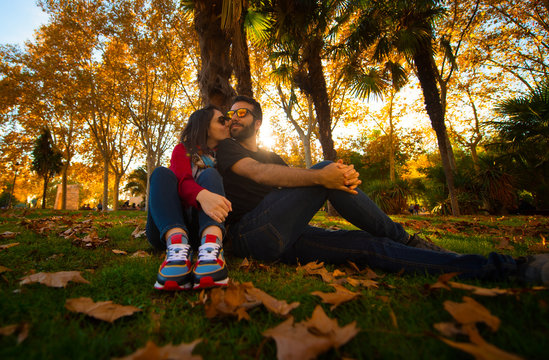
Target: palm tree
<point x="404" y="27"/>
<point x="524" y="139"/>
<point x="137" y="182"/>
<point x="301" y="34"/>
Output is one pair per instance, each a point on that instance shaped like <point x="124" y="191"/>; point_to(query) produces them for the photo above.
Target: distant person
<point x="416" y="209"/>
<point x="99" y="206"/>
<point x="273" y="205"/>
<point x="187" y="202"/>
<point x="411" y="209"/>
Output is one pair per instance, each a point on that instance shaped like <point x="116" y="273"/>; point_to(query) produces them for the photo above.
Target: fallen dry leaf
<point x="237" y="298"/>
<point x="21" y="329"/>
<point x="449" y="329"/>
<point x="151" y="351"/>
<point x="56" y="279"/>
<point x="138" y="232"/>
<point x="119" y="252"/>
<point x="479" y="348"/>
<point x="314" y="268"/>
<point x="8" y="235"/>
<point x="4" y="269"/>
<point x="7" y="246"/>
<point x="365" y="283"/>
<point x="480" y="290"/>
<point x="140" y="253"/>
<point x="102" y="310"/>
<point x="279" y="307"/>
<point x="471" y="312"/>
<point x="308" y="339"/>
<point x="338" y="297"/>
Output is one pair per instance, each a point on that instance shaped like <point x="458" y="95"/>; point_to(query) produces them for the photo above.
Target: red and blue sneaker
<point x="175" y="273"/>
<point x="210" y="270"/>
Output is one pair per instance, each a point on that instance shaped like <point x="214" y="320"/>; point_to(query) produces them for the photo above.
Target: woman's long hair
<point x="195" y="134"/>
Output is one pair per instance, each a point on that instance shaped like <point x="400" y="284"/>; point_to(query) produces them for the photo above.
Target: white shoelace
<point x="178" y="252"/>
<point x="208" y="252"/>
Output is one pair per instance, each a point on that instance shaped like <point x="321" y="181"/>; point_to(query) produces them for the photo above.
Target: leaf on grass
<point x="338" y="273"/>
<point x="119" y="252"/>
<point x="338" y="297"/>
<point x="308" y="339"/>
<point x="471" y="312"/>
<point x="138" y="232"/>
<point x="479" y="348"/>
<point x="21" y="329"/>
<point x="480" y="290"/>
<point x="140" y="253"/>
<point x="7" y="246"/>
<point x="449" y="329"/>
<point x="504" y="244"/>
<point x="102" y="310"/>
<point x="91" y="240"/>
<point x="152" y="351"/>
<point x="56" y="279"/>
<point x="442" y="281"/>
<point x="8" y="235"/>
<point x="279" y="307"/>
<point x="4" y="269"/>
<point x="237" y="298"/>
<point x="314" y="268"/>
<point x="365" y="283"/>
<point x="231" y="301"/>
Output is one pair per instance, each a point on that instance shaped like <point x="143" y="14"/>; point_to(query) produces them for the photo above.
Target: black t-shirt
<point x="242" y="192"/>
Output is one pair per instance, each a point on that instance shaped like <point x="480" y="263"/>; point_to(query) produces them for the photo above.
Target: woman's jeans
<point x="166" y="211"/>
<point x="277" y="229"/>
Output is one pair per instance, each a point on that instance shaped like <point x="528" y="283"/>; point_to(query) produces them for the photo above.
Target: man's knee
<point x="321" y="164"/>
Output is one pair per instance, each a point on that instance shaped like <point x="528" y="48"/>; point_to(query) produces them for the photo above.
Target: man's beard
<point x="245" y="132"/>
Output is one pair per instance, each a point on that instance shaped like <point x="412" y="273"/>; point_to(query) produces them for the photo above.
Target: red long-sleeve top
<point x="180" y="164"/>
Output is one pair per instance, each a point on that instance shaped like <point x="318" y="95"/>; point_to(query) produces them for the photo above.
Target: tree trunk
<point x="317" y="88"/>
<point x="44" y="192"/>
<point x="216" y="69"/>
<point x="427" y="80"/>
<point x="64" y="186"/>
<point x="105" y="183"/>
<point x="241" y="61"/>
<point x="115" y="190"/>
<point x="391" y="142"/>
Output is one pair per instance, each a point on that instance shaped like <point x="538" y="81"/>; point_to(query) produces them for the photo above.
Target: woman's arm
<point x="187" y="188"/>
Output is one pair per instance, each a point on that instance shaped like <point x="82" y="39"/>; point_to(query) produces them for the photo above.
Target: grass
<point x="56" y="333"/>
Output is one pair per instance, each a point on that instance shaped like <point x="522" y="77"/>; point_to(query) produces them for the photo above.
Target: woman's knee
<point x="162" y="173"/>
<point x="210" y="179"/>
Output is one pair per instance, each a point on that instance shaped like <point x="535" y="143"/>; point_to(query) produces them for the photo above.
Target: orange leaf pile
<point x="56" y="279"/>
<point x="310" y="338"/>
<point x="151" y="351"/>
<point x="102" y="310"/>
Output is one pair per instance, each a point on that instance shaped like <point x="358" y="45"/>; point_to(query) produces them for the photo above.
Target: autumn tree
<point x="46" y="160"/>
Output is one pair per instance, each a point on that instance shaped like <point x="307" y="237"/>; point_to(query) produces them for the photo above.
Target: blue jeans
<point x="277" y="229"/>
<point x="166" y="211"/>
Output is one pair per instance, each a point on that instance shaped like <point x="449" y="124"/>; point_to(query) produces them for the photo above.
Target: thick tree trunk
<point x="44" y="193"/>
<point x="427" y="79"/>
<point x="216" y="69"/>
<point x="115" y="190"/>
<point x="391" y="141"/>
<point x="241" y="61"/>
<point x="317" y="88"/>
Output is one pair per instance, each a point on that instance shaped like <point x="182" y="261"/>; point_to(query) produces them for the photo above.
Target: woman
<point x="187" y="203"/>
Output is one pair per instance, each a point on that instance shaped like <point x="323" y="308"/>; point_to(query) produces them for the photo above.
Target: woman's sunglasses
<point x="223" y="119"/>
<point x="239" y="112"/>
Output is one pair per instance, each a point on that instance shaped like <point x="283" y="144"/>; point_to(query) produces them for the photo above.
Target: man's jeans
<point x="277" y="229"/>
<point x="166" y="211"/>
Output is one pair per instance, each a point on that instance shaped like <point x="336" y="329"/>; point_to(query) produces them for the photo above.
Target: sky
<point x="18" y="20"/>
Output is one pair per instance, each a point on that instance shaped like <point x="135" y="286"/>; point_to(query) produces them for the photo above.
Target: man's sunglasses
<point x="239" y="112"/>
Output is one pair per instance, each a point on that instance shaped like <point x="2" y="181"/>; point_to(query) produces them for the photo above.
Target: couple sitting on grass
<point x="220" y="187"/>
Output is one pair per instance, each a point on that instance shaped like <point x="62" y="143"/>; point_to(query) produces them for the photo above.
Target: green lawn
<point x="395" y="320"/>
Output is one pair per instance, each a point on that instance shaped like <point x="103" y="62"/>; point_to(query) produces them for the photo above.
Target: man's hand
<point x="351" y="175"/>
<point x="215" y="206"/>
<point x="340" y="177"/>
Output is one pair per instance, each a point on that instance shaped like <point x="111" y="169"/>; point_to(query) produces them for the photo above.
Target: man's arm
<point x="333" y="176"/>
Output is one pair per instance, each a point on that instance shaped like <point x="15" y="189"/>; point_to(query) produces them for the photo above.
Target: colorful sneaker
<point x="210" y="269"/>
<point x="175" y="272"/>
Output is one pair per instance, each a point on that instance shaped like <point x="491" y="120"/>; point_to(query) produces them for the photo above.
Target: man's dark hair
<point x="258" y="113"/>
<point x="195" y="134"/>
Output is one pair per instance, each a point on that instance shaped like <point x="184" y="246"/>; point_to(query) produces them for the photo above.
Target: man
<point x="273" y="204"/>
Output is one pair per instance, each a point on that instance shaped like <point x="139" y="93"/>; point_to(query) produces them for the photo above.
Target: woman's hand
<point x="215" y="206"/>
